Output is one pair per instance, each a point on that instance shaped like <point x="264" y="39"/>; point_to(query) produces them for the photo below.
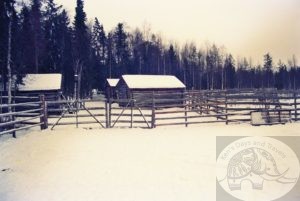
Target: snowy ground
<point x="162" y="164"/>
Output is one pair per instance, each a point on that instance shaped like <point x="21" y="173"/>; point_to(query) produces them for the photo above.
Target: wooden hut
<point x="142" y="87"/>
<point x="38" y="84"/>
<point x="111" y="85"/>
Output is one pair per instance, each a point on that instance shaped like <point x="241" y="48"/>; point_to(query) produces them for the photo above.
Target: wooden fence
<point x="153" y="109"/>
<point x="230" y="106"/>
<point x="21" y="116"/>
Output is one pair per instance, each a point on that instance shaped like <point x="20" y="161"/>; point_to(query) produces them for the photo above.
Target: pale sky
<point x="247" y="28"/>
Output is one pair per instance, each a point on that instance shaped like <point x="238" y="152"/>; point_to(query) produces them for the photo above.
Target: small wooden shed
<point x="39" y="84"/>
<point x="141" y="87"/>
<point x="111" y="85"/>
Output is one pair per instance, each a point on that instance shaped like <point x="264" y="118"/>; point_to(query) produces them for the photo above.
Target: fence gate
<point x="133" y="112"/>
<point x="77" y="112"/>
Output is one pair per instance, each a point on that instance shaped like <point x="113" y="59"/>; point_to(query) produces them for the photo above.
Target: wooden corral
<point x="166" y="108"/>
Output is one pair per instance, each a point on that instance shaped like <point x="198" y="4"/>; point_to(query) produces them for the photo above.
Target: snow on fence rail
<point x="21" y="116"/>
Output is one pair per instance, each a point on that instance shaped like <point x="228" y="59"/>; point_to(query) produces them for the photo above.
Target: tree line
<point x="40" y="37"/>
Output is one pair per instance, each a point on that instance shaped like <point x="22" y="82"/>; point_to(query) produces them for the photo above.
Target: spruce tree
<point x="52" y="38"/>
<point x="122" y="50"/>
<point x="37" y="34"/>
<point x="268" y="65"/>
<point x="229" y="72"/>
<point x="26" y="41"/>
<point x="82" y="48"/>
<point x="99" y="41"/>
<point x="65" y="56"/>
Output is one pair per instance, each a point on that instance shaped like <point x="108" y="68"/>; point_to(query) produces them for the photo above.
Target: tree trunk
<point x="222" y="81"/>
<point x="9" y="73"/>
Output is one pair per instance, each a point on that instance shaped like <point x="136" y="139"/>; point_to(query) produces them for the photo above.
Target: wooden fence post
<point x="185" y="108"/>
<point x="13" y="118"/>
<point x="109" y="113"/>
<point x="226" y="111"/>
<point x="153" y="111"/>
<point x="131" y="110"/>
<point x="106" y="114"/>
<point x="44" y="113"/>
<point x="295" y="105"/>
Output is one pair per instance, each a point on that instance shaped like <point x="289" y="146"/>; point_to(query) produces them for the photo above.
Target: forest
<point x="40" y="37"/>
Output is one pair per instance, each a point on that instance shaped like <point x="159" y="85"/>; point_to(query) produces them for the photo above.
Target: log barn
<point x="33" y="85"/>
<point x="142" y="87"/>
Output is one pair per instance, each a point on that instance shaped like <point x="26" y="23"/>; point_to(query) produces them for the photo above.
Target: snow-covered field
<point x="162" y="164"/>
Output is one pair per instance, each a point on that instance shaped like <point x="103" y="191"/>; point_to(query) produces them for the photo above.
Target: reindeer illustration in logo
<point x="255" y="165"/>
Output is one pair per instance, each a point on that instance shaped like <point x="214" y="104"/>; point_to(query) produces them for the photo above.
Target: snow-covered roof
<point x="41" y="82"/>
<point x="152" y="81"/>
<point x="112" y="82"/>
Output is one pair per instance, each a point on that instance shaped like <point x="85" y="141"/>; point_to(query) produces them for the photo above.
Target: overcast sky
<point x="247" y="28"/>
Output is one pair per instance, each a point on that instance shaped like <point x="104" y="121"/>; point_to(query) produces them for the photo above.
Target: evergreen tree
<point x="268" y="65"/>
<point x="65" y="52"/>
<point x="229" y="72"/>
<point x="110" y="56"/>
<point x="37" y="34"/>
<point x="26" y="40"/>
<point x="242" y="73"/>
<point x="282" y="77"/>
<point x="201" y="65"/>
<point x="99" y="55"/>
<point x="52" y="38"/>
<point x="99" y="41"/>
<point x="15" y="45"/>
<point x="121" y="50"/>
<point x="136" y="43"/>
<point x="3" y="40"/>
<point x="4" y="24"/>
<point x="9" y="42"/>
<point x="82" y="48"/>
<point x="173" y="59"/>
